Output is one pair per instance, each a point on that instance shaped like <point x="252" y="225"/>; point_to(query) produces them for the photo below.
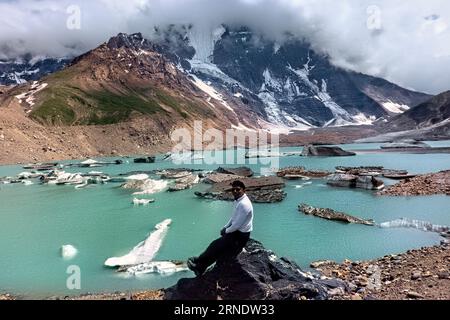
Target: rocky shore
<point x="416" y="274"/>
<point x="423" y="185"/>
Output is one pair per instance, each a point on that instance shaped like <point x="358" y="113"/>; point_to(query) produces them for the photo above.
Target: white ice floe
<point x="300" y="186"/>
<point x="145" y="251"/>
<point x="68" y="252"/>
<point x="27" y="182"/>
<point x="142" y="176"/>
<point x="181" y="157"/>
<point x="24" y="175"/>
<point x="161" y="267"/>
<point x="142" y="202"/>
<point x="89" y="161"/>
<point x="151" y="186"/>
<point x="415" y="224"/>
<point x="61" y="177"/>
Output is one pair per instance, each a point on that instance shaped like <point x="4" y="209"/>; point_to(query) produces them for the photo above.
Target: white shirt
<point x="242" y="219"/>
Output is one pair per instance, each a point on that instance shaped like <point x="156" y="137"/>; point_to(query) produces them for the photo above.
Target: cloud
<point x="405" y="42"/>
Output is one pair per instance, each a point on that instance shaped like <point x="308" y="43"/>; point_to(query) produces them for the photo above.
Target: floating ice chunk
<point x="144" y="251"/>
<point x="90" y="161"/>
<point x="161" y="267"/>
<point x="152" y="186"/>
<point x="143" y="202"/>
<point x="68" y="252"/>
<point x="138" y="177"/>
<point x="27" y="182"/>
<point x="415" y="224"/>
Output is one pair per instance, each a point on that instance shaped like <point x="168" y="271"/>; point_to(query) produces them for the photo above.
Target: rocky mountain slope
<point x="288" y="83"/>
<point x="120" y="98"/>
<point x="432" y="113"/>
<point x="254" y="81"/>
<point x="27" y="69"/>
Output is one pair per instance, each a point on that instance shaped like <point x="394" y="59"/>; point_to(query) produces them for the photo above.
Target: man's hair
<point x="238" y="184"/>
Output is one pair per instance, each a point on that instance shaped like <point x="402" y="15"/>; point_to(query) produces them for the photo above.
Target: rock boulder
<point x="321" y="151"/>
<point x="256" y="274"/>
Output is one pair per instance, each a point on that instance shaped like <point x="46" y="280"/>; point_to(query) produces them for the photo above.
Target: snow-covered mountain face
<point x="263" y="83"/>
<point x="287" y="83"/>
<point x="29" y="69"/>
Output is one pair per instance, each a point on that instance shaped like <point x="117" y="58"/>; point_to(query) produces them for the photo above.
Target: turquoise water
<point x="101" y="222"/>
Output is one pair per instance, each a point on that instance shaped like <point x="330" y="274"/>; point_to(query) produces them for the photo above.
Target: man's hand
<point x="223" y="232"/>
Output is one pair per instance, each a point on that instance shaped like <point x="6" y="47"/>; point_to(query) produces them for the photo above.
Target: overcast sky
<point x="404" y="41"/>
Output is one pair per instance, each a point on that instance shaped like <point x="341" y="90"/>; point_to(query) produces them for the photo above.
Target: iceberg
<point x="145" y="251"/>
<point x="152" y="186"/>
<point x="138" y="177"/>
<point x="415" y="224"/>
<point x="68" y="252"/>
<point x="161" y="267"/>
<point x="143" y="202"/>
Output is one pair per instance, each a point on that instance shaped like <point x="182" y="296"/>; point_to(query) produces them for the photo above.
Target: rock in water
<point x="145" y="160"/>
<point x="353" y="181"/>
<point x="315" y="151"/>
<point x="242" y="171"/>
<point x="256" y="274"/>
<point x="68" y="252"/>
<point x="330" y="214"/>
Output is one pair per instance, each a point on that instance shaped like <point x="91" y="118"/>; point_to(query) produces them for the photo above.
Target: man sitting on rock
<point x="234" y="235"/>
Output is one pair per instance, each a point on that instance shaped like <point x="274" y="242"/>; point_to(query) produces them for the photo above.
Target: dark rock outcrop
<point x="330" y="214"/>
<point x="242" y="171"/>
<point x="406" y="144"/>
<point x="422" y="185"/>
<point x="375" y="171"/>
<point x="145" y="160"/>
<point x="320" y="151"/>
<point x="256" y="274"/>
<point x="291" y="172"/>
<point x="215" y="177"/>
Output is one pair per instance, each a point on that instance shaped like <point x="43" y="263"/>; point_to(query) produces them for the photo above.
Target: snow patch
<point x="203" y="41"/>
<point x="211" y="92"/>
<point x="395" y="107"/>
<point x="276" y="47"/>
<point x="271" y="82"/>
<point x="29" y="96"/>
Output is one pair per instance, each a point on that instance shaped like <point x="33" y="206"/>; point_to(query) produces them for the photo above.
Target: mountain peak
<point x="133" y="41"/>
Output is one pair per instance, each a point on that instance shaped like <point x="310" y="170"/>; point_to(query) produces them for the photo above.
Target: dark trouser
<point x="226" y="247"/>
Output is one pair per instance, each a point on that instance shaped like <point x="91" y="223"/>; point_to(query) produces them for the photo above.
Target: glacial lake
<point x="101" y="222"/>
